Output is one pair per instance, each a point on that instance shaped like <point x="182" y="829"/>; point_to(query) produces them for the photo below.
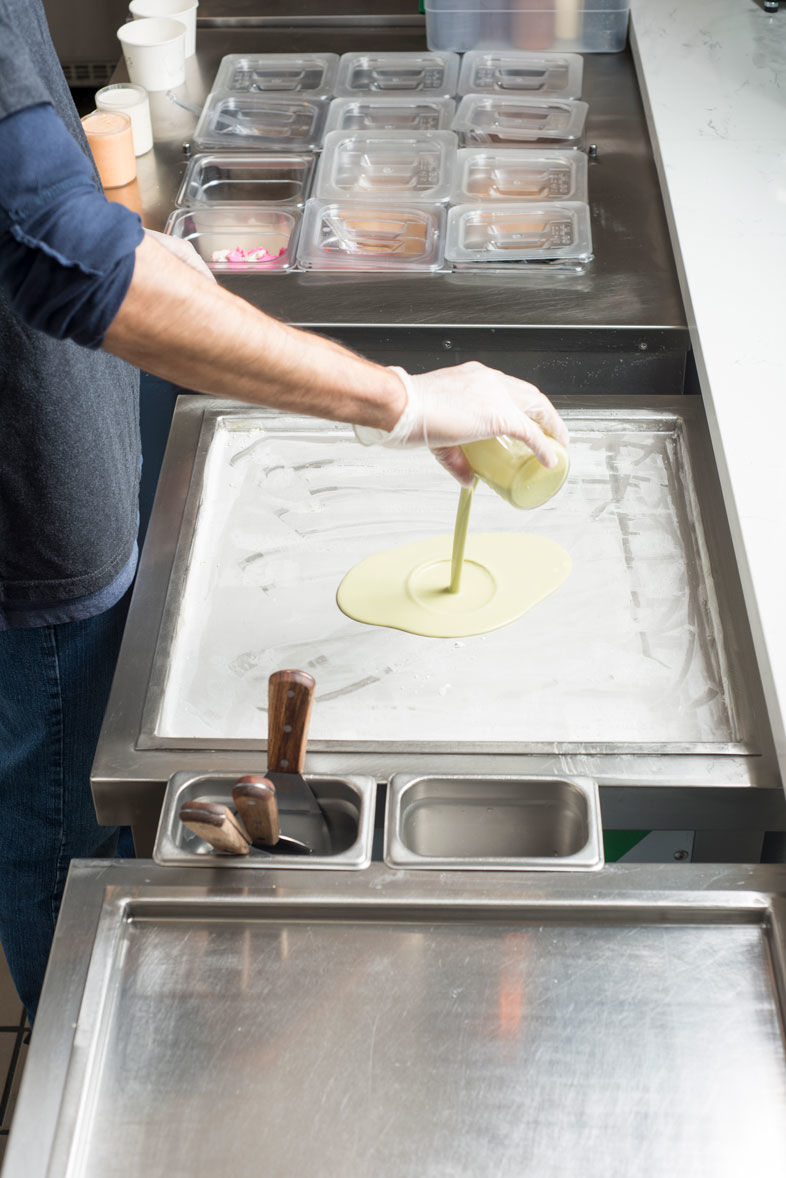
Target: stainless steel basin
<point x="514" y="823"/>
<point x="347" y="802"/>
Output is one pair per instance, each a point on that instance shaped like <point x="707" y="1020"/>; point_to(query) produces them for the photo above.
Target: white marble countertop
<point x="713" y="82"/>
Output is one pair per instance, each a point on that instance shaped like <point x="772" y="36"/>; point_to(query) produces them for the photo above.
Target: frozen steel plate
<point x="334" y="1027"/>
<point x="635" y="652"/>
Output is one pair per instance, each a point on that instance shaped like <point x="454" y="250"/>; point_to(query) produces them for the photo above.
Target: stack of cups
<point x="182" y="10"/>
<point x="158" y="41"/>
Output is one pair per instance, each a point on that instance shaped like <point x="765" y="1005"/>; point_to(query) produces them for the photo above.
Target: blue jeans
<point x="54" y="684"/>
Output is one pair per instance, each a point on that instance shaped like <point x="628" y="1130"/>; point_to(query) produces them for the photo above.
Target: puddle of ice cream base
<point x="496" y="578"/>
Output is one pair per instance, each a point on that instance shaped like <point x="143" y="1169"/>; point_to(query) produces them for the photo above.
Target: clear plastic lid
<point x="387" y="165"/>
<point x="540" y="75"/>
<point x="249" y="122"/>
<point x="346" y="235"/>
<point x="519" y="233"/>
<point x="496" y="119"/>
<point x="435" y="74"/>
<point x="396" y="113"/>
<point x="486" y="174"/>
<point x="309" y="74"/>
<point x="269" y="178"/>
<point x="239" y="238"/>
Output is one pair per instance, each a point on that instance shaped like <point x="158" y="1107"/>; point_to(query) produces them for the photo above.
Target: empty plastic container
<point x="270" y="178"/>
<point x="576" y="26"/>
<point x="434" y="74"/>
<point x="387" y="165"/>
<point x="486" y="174"/>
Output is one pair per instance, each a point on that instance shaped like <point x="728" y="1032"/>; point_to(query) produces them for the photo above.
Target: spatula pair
<point x="283" y="797"/>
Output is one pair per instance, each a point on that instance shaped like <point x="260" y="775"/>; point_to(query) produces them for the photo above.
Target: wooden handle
<point x="255" y="799"/>
<point x="217" y="825"/>
<point x="290" y="696"/>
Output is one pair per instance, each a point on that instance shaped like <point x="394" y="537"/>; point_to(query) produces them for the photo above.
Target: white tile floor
<point x="13" y="1051"/>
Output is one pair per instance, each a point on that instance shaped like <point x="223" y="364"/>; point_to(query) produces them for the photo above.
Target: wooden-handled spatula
<point x="217" y="825"/>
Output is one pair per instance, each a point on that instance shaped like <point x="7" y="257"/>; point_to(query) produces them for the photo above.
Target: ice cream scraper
<point x="257" y="805"/>
<point x="217" y="825"/>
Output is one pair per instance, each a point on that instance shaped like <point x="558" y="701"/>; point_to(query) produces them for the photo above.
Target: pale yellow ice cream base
<point x="407" y="588"/>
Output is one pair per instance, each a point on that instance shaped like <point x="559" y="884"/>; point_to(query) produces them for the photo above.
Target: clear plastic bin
<point x="519" y="233"/>
<point x="352" y="236"/>
<point x="484" y="175"/>
<point x="387" y="165"/>
<point x="534" y="75"/>
<point x="520" y="122"/>
<point x="250" y="122"/>
<point x="576" y="26"/>
<point x="390" y="114"/>
<point x="279" y="179"/>
<point x="308" y="74"/>
<point x="433" y="74"/>
<point x="214" y="230"/>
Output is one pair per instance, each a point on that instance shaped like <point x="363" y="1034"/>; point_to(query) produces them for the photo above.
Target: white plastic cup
<point x="183" y="10"/>
<point x="155" y="52"/>
<point x="132" y="101"/>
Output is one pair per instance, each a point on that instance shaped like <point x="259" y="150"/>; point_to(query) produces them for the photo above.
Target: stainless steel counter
<point x="618" y="329"/>
<point x="373" y="1022"/>
<point x="623" y="319"/>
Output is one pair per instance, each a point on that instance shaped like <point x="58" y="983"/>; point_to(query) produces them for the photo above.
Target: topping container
<point x="504" y="174"/>
<point x="539" y="74"/>
<point x="312" y="74"/>
<point x="394" y="113"/>
<point x="500" y="120"/>
<point x="269" y="178"/>
<point x="404" y="73"/>
<point x="519" y="233"/>
<point x="249" y="122"/>
<point x="342" y="235"/>
<point x="216" y="230"/>
<point x="374" y="165"/>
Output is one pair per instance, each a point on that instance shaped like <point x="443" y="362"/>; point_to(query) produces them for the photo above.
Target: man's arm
<point x="187" y="329"/>
<point x="80" y="268"/>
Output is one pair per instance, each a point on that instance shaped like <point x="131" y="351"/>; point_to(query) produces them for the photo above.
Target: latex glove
<point x="467" y="403"/>
<point x="183" y="251"/>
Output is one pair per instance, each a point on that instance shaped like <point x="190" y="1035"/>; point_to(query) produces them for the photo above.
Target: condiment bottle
<point x="511" y="469"/>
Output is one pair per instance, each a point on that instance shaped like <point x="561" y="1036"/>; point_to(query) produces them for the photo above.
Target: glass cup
<point x="511" y="469"/>
<point x="112" y="144"/>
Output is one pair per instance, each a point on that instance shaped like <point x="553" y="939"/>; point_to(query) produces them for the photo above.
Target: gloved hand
<point x="183" y="251"/>
<point x="467" y="403"/>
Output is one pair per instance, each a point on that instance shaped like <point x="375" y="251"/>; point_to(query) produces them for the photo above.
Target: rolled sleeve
<point x="66" y="252"/>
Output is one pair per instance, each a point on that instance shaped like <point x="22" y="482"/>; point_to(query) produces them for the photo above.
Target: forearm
<point x="187" y="329"/>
